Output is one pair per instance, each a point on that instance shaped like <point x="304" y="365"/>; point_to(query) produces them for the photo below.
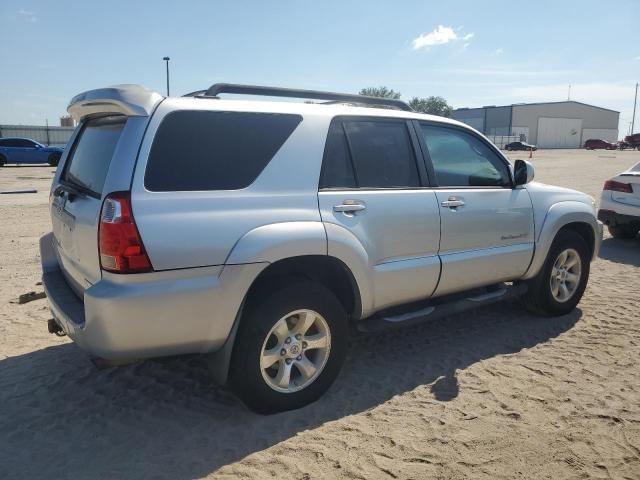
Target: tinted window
<point x="337" y="169"/>
<point x="10" y="142"/>
<point x="25" y="144"/>
<point x="215" y="150"/>
<point x="382" y="154"/>
<point x="92" y="153"/>
<point x="379" y="151"/>
<point x="462" y="160"/>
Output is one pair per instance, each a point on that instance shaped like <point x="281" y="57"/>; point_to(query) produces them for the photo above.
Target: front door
<point x="487" y="231"/>
<point x="372" y="194"/>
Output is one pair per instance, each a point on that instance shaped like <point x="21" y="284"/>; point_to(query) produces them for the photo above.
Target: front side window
<point x="461" y="160"/>
<point x="369" y="154"/>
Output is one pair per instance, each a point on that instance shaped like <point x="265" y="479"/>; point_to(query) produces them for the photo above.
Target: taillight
<point x="614" y="186"/>
<point x="120" y="245"/>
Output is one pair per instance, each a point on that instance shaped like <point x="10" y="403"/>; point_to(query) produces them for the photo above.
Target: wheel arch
<point x="326" y="270"/>
<point x="568" y="215"/>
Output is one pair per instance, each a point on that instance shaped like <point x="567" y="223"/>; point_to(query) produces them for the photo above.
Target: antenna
<point x="569" y="93"/>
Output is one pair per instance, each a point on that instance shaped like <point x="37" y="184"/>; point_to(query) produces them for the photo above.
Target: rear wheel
<point x="623" y="232"/>
<point x="3" y="161"/>
<point x="290" y="347"/>
<point x="54" y="159"/>
<point x="561" y="282"/>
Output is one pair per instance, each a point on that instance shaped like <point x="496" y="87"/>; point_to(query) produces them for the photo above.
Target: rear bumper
<point x="611" y="218"/>
<point x="124" y="317"/>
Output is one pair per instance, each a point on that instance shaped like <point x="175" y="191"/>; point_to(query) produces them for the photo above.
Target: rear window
<point x="92" y="153"/>
<point x="202" y="150"/>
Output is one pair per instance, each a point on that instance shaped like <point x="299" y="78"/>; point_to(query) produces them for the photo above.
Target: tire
<point x="3" y="161"/>
<point x="540" y="298"/>
<point x="54" y="159"/>
<point x="256" y="386"/>
<point x="623" y="232"/>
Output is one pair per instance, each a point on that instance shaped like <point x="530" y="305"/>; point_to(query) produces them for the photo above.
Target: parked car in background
<point x="24" y="150"/>
<point x="597" y="144"/>
<point x="630" y="141"/>
<point x="620" y="203"/>
<point x="520" y="146"/>
<point x="285" y="224"/>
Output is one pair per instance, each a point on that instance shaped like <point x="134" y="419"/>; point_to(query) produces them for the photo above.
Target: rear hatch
<point x="76" y="199"/>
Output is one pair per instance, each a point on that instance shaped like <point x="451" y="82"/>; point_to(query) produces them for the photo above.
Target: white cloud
<point x="29" y="15"/>
<point x="466" y="45"/>
<point x="439" y="36"/>
<point x="638" y="58"/>
<point x="498" y="51"/>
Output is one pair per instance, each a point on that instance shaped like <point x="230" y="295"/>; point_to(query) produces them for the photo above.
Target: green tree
<point x="383" y="92"/>
<point x="432" y="105"/>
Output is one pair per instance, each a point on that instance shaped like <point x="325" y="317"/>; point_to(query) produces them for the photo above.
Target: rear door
<point x="373" y="187"/>
<point x="76" y="199"/>
<point x="487" y="226"/>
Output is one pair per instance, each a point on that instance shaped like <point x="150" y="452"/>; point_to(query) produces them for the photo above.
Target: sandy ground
<point x="495" y="393"/>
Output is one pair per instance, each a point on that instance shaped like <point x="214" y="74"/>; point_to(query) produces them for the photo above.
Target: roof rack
<point x="214" y="90"/>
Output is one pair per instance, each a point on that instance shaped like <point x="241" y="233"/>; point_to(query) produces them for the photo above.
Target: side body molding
<point x="559" y="215"/>
<point x="277" y="241"/>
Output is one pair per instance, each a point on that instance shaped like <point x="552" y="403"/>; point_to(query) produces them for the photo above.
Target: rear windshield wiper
<point x="72" y="190"/>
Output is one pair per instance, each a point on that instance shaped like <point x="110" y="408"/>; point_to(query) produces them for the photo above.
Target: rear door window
<point x="92" y="153"/>
<point x="203" y="150"/>
<point x="369" y="154"/>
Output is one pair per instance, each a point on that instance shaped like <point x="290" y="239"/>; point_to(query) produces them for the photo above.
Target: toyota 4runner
<point x="259" y="232"/>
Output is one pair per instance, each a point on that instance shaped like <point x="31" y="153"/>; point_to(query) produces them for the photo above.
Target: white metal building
<point x="548" y="125"/>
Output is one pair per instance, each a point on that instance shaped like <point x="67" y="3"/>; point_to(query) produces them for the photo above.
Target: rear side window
<point x="369" y="154"/>
<point x="92" y="153"/>
<point x="201" y="150"/>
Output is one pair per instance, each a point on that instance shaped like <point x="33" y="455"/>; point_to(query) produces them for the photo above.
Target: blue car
<point x="23" y="150"/>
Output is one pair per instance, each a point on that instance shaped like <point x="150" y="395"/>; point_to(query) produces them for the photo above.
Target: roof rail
<point x="218" y="88"/>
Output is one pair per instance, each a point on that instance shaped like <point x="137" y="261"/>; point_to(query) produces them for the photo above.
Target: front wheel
<point x="561" y="282"/>
<point x="290" y="347"/>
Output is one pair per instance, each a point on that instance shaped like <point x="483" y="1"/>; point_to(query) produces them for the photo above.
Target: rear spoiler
<point x="130" y="100"/>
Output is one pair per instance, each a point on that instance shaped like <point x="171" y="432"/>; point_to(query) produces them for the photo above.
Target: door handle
<point x="349" y="206"/>
<point x="453" y="203"/>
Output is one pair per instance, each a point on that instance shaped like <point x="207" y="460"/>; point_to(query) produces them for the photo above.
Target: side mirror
<point x="523" y="172"/>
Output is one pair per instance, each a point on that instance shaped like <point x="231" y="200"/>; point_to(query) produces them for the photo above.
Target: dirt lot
<point x="495" y="393"/>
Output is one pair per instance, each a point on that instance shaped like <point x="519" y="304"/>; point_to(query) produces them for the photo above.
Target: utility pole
<point x="166" y="59"/>
<point x="569" y="93"/>
<point x="633" y="119"/>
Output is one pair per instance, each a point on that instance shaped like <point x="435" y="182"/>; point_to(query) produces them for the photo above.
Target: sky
<point x="471" y="53"/>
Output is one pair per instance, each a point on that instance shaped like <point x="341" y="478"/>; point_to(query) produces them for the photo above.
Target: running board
<point x="440" y="310"/>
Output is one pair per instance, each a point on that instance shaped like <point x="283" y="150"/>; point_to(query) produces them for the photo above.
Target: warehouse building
<point x="548" y="125"/>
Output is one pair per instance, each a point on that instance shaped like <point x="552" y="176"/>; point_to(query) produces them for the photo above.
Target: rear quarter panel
<point x="185" y="229"/>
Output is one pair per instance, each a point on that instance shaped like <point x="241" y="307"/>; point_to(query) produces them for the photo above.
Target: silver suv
<point x="259" y="232"/>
